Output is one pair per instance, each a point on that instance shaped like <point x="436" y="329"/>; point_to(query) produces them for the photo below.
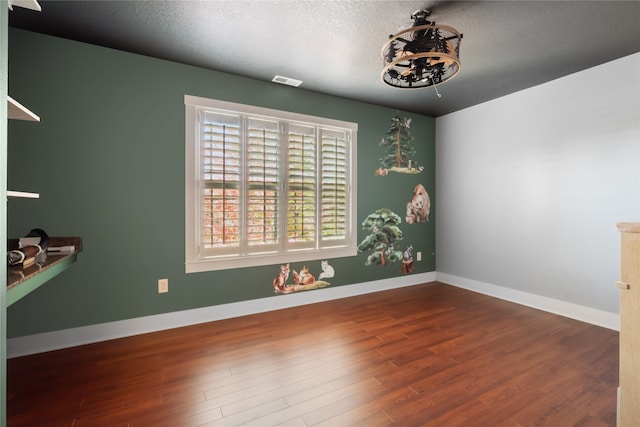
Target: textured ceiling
<point x="334" y="46"/>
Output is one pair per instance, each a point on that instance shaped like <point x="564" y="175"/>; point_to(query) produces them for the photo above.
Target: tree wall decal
<point x="398" y="143"/>
<point x="384" y="233"/>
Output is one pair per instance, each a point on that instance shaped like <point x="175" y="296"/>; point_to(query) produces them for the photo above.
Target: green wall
<point x="3" y="194"/>
<point x="108" y="161"/>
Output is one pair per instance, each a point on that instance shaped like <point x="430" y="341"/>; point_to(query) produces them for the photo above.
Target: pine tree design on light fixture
<point x="424" y="55"/>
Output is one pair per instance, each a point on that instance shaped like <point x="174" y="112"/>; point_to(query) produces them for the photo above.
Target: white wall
<point x="530" y="187"/>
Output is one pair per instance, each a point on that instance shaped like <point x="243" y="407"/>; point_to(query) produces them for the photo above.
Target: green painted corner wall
<point x="4" y="9"/>
<point x="108" y="161"/>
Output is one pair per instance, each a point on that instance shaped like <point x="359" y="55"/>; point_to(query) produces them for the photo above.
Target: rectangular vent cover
<point x="287" y="81"/>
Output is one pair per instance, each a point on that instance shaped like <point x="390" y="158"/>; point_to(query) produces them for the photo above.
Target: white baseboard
<point x="48" y="341"/>
<point x="585" y="314"/>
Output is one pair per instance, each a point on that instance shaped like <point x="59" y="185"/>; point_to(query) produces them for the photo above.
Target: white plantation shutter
<point x="266" y="187"/>
<point x="302" y="186"/>
<point x="221" y="177"/>
<point x="263" y="184"/>
<point x="334" y="187"/>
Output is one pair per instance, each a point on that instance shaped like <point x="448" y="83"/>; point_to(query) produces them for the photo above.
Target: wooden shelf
<point x="17" y="111"/>
<point x="27" y="4"/>
<point x="22" y="281"/>
<point x="23" y="194"/>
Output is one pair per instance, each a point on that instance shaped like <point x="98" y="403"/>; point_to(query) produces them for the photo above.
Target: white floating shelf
<point x="23" y="194"/>
<point x="27" y="4"/>
<point x="17" y="111"/>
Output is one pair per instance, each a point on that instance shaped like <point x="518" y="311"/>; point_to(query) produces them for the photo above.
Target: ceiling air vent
<point x="287" y="81"/>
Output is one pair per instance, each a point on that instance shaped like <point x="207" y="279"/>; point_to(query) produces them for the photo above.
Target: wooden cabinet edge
<point x="629" y="227"/>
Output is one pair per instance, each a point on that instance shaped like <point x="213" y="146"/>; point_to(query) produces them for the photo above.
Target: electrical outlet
<point x="163" y="286"/>
<point x="419" y="256"/>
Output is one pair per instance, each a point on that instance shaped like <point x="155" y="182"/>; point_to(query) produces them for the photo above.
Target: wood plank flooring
<point x="426" y="355"/>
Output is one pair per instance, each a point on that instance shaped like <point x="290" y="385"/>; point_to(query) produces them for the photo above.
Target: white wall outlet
<point x="163" y="286"/>
<point x="419" y="256"/>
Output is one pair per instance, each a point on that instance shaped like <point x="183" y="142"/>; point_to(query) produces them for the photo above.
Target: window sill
<point x="226" y="263"/>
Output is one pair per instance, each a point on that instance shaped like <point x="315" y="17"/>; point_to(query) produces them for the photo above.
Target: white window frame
<point x="194" y="261"/>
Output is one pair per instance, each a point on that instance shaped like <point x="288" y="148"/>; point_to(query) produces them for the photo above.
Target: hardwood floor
<point x="427" y="355"/>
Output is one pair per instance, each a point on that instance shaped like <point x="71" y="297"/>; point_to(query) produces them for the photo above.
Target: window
<point x="266" y="186"/>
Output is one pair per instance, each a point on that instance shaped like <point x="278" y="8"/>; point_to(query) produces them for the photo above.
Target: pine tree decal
<point x="399" y="145"/>
<point x="384" y="232"/>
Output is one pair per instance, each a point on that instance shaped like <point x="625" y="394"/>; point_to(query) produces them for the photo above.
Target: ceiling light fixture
<point x="424" y="55"/>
